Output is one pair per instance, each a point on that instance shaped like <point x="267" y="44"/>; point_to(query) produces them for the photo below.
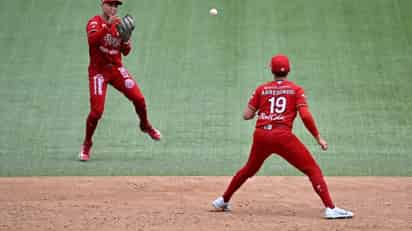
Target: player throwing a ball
<point x="109" y="38"/>
<point x="276" y="104"/>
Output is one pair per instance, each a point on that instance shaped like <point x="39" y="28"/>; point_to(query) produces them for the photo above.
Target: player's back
<point x="276" y="103"/>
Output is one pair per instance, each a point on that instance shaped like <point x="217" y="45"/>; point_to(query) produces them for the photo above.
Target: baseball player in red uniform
<point x="106" y="48"/>
<point x="276" y="104"/>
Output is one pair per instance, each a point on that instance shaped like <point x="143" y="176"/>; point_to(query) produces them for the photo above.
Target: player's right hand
<point x="113" y="19"/>
<point x="322" y="143"/>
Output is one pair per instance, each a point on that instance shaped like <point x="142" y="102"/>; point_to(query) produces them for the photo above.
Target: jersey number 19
<point x="277" y="105"/>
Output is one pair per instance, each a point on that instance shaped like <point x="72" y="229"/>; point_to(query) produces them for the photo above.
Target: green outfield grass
<point x="197" y="72"/>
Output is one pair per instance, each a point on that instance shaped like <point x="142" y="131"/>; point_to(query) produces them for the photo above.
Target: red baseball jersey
<point x="276" y="103"/>
<point x="105" y="44"/>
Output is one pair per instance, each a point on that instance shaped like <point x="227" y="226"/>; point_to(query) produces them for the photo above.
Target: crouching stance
<point x="277" y="103"/>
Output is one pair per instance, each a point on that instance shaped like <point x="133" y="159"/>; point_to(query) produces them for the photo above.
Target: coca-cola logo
<point x="109" y="40"/>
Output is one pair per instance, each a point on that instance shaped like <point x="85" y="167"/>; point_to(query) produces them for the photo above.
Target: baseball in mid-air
<point x="213" y="12"/>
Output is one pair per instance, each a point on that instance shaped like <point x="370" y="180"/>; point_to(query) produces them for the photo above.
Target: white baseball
<point x="213" y="12"/>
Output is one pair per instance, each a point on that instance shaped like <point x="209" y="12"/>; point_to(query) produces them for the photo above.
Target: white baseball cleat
<point x="220" y="204"/>
<point x="154" y="134"/>
<point x="337" y="213"/>
<point x="151" y="131"/>
<point x="85" y="152"/>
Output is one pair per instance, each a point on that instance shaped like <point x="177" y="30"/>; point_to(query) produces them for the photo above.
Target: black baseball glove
<point x="125" y="27"/>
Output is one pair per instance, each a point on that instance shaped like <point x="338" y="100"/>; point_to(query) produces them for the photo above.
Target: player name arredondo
<point x="278" y="92"/>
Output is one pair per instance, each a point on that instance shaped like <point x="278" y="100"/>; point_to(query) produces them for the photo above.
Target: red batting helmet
<point x="280" y="65"/>
<point x="110" y="1"/>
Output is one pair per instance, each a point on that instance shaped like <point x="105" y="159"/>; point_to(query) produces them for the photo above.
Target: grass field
<point x="197" y="72"/>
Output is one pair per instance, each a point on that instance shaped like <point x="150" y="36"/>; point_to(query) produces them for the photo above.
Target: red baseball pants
<point x="121" y="80"/>
<point x="284" y="143"/>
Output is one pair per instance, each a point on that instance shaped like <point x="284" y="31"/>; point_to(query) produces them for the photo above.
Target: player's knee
<point x="139" y="102"/>
<point x="96" y="114"/>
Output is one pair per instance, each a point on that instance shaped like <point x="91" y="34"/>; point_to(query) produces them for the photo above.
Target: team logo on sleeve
<point x="129" y="83"/>
<point x="92" y="27"/>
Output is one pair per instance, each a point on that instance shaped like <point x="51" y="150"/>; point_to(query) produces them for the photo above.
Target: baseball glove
<point x="125" y="27"/>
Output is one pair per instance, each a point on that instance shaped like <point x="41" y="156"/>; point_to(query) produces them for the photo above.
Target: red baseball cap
<point x="280" y="65"/>
<point x="110" y="1"/>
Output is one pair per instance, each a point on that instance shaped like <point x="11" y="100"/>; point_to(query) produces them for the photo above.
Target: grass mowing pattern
<point x="197" y="72"/>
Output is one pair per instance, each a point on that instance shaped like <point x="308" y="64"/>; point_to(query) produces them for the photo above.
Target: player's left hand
<point x="322" y="143"/>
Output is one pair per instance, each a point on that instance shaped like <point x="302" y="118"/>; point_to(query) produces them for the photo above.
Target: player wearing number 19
<point x="109" y="39"/>
<point x="277" y="103"/>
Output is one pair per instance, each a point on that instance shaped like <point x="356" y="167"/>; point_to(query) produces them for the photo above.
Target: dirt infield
<point x="183" y="203"/>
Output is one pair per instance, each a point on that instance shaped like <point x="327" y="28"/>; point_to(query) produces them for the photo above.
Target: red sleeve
<point x="254" y="99"/>
<point x="308" y="120"/>
<point x="126" y="48"/>
<point x="95" y="32"/>
<point x="300" y="97"/>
